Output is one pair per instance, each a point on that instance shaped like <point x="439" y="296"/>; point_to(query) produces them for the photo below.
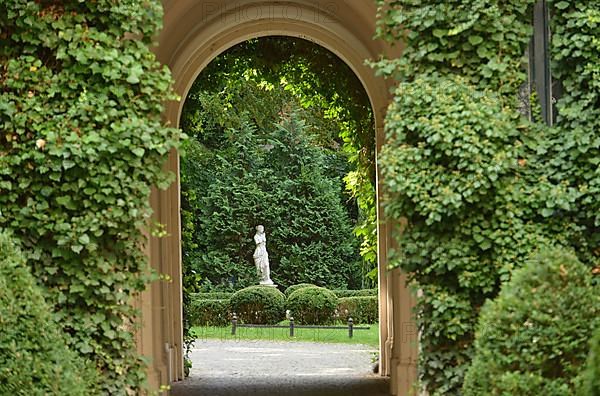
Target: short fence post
<point x="350" y="327"/>
<point x="234" y="320"/>
<point x="291" y="326"/>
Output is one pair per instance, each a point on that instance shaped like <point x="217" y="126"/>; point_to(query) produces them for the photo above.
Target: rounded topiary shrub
<point x="34" y="356"/>
<point x="312" y="305"/>
<point x="299" y="286"/>
<point x="259" y="305"/>
<point x="534" y="337"/>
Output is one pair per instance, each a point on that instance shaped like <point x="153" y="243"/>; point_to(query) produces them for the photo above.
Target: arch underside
<point x="194" y="33"/>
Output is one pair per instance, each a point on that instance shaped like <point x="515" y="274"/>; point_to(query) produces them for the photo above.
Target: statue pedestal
<point x="268" y="283"/>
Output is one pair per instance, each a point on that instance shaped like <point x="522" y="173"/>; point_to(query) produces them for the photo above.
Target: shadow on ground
<point x="316" y="386"/>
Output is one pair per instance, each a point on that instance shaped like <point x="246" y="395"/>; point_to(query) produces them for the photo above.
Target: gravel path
<point x="266" y="368"/>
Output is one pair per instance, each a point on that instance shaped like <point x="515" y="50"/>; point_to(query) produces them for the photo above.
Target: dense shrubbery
<point x="211" y="296"/>
<point x="214" y="309"/>
<point x="34" y="356"/>
<point x="231" y="188"/>
<point x="356" y="293"/>
<point x="590" y="385"/>
<point x="479" y="187"/>
<point x="209" y="312"/>
<point x="82" y="144"/>
<point x="293" y="288"/>
<point x="534" y="337"/>
<point x="259" y="305"/>
<point x="312" y="305"/>
<point x="360" y="309"/>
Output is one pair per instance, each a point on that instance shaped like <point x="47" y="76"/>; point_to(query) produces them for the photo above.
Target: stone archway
<point x="194" y="33"/>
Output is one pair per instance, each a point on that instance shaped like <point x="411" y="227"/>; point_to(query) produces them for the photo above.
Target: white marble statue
<point x="261" y="256"/>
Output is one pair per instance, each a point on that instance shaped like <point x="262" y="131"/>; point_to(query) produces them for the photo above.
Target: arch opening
<point x="194" y="34"/>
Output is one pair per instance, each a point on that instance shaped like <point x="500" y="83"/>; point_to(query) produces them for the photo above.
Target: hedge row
<point x="308" y="304"/>
<point x="339" y="293"/>
<point x="361" y="309"/>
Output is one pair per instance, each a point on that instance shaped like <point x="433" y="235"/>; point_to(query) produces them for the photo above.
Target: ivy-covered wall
<point x="81" y="144"/>
<point x="482" y="188"/>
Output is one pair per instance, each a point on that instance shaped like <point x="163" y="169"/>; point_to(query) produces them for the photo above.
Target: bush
<point x="211" y="296"/>
<point x="356" y="293"/>
<point x="312" y="305"/>
<point x="360" y="309"/>
<point x="209" y="312"/>
<point x="259" y="305"/>
<point x="299" y="286"/>
<point x="533" y="339"/>
<point x="591" y="376"/>
<point x="34" y="357"/>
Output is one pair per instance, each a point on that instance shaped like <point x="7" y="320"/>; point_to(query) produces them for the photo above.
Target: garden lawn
<point x="367" y="337"/>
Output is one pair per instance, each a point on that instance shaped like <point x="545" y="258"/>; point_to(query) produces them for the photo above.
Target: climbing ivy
<point x="479" y="187"/>
<point x="82" y="143"/>
<point x="575" y="154"/>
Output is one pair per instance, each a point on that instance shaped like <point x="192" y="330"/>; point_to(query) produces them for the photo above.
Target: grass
<point x="368" y="337"/>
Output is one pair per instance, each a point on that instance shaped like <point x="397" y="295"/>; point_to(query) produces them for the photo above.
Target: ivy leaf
<point x="84" y="239"/>
<point x="134" y="74"/>
<point x="561" y="5"/>
<point x="66" y="201"/>
<point x="475" y="40"/>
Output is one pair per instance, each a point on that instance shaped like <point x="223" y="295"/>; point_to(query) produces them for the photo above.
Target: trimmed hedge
<point x="312" y="305"/>
<point x="34" y="356"/>
<point x="259" y="305"/>
<point x="356" y="293"/>
<point x="360" y="309"/>
<point x="209" y="312"/>
<point x="211" y="296"/>
<point x="299" y="286"/>
<point x="533" y="338"/>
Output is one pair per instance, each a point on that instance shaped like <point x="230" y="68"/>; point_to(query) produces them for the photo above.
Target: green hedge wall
<point x="210" y="312"/>
<point x="360" y="309"/>
<point x="34" y="356"/>
<point x="211" y="296"/>
<point x="356" y="293"/>
<point x="82" y="145"/>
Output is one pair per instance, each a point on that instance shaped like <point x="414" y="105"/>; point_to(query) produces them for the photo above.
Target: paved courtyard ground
<point x="267" y="368"/>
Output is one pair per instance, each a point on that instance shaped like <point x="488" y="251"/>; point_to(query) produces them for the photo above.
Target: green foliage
<point x="312" y="305"/>
<point x="211" y="296"/>
<point x="34" y="356"/>
<point x="574" y="157"/>
<point x="357" y="293"/>
<point x="362" y="309"/>
<point x="293" y="288"/>
<point x="591" y="377"/>
<point x="259" y="305"/>
<point x="461" y="170"/>
<point x="275" y="177"/>
<point x="534" y="336"/>
<point x="82" y="143"/>
<point x="253" y="85"/>
<point x="477" y="187"/>
<point x="209" y="312"/>
<point x="482" y="40"/>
